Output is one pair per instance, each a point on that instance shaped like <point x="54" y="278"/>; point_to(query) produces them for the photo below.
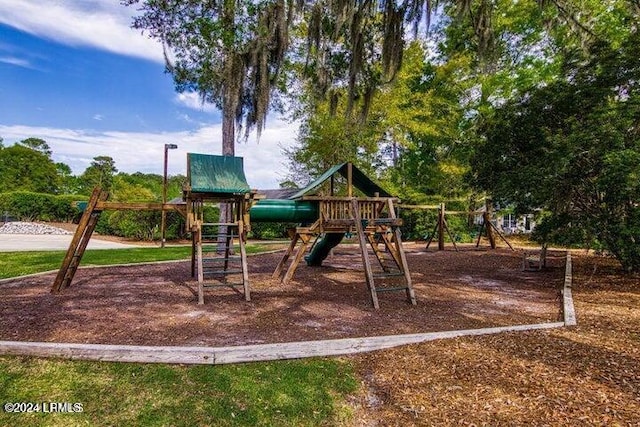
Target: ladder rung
<point x="392" y="274"/>
<point x="222" y="259"/>
<point x="221" y="285"/>
<point x="224" y="224"/>
<point x="223" y="272"/>
<point x="403" y="288"/>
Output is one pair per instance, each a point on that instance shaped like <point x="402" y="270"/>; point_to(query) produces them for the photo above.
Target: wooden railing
<point x="342" y="209"/>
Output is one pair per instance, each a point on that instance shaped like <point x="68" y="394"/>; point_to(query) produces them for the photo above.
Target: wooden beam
<point x="441" y="227"/>
<point x="301" y="251"/>
<point x="403" y="258"/>
<point x="245" y="353"/>
<point x="567" y="296"/>
<point x="349" y="179"/>
<point x="76" y="241"/>
<point x="139" y="206"/>
<point x="243" y="260"/>
<point x="365" y="256"/>
<point x="283" y="261"/>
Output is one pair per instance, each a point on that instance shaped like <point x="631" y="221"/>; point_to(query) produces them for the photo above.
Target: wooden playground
<point x="272" y="298"/>
<point x="325" y="215"/>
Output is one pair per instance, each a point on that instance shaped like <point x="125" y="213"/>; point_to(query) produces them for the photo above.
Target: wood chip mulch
<point x="583" y="375"/>
<point x="157" y="304"/>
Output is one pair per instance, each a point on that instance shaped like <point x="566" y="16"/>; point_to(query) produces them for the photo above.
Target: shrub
<point x="29" y="206"/>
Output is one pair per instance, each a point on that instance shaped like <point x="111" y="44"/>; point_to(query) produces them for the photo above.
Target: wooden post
<point x="364" y="252"/>
<point x="349" y="179"/>
<point x="486" y="217"/>
<point x="441" y="227"/>
<point x="79" y="242"/>
<point x="278" y="271"/>
<point x="301" y="251"/>
<point x="403" y="258"/>
<point x="200" y="266"/>
<point x="243" y="259"/>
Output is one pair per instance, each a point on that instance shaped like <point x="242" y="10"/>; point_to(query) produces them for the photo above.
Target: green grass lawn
<point x="287" y="393"/>
<point x="14" y="264"/>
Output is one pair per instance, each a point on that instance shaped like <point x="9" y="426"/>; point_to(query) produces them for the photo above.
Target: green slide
<point x="277" y="210"/>
<point x="321" y="249"/>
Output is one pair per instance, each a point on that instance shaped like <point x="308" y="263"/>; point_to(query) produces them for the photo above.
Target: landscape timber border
<point x="267" y="352"/>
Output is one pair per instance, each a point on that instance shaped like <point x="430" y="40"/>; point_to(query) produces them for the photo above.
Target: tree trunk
<point x="228" y="149"/>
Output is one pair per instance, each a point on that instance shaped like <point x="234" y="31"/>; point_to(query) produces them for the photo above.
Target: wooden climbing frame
<point x="374" y="222"/>
<point x="215" y="261"/>
<point x="97" y="203"/>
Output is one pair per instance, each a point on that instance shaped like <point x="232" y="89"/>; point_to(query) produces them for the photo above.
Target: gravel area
<point x="19" y="227"/>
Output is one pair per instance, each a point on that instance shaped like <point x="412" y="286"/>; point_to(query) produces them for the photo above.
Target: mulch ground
<point x="583" y="375"/>
<point x="157" y="304"/>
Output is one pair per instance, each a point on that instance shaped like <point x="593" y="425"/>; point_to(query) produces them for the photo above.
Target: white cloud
<point x="194" y="101"/>
<point x="18" y="62"/>
<point x="103" y="24"/>
<point x="98" y="117"/>
<point x="264" y="162"/>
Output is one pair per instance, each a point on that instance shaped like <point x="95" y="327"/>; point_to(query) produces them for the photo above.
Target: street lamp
<point x="167" y="147"/>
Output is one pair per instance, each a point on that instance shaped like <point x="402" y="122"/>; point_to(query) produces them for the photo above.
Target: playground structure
<point x="91" y="213"/>
<point x="328" y="218"/>
<point x="442" y="226"/>
<point x="218" y="248"/>
<point x="214" y="255"/>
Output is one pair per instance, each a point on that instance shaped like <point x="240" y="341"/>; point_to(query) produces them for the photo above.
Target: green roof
<point x="216" y="174"/>
<point x="360" y="181"/>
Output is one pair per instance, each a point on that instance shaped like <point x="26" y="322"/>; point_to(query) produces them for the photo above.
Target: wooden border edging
<point x="567" y="296"/>
<point x="240" y="354"/>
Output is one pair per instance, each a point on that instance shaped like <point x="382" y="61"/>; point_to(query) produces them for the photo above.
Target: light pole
<point x="167" y="147"/>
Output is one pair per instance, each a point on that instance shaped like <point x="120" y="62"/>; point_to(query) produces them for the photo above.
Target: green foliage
<point x="143" y="225"/>
<point x="100" y="172"/>
<point x="27" y="206"/>
<point x="37" y="144"/>
<point x="573" y="148"/>
<point x="26" y="169"/>
<point x="270" y="230"/>
<point x="301" y="393"/>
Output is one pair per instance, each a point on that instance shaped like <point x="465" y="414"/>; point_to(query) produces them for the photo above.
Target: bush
<point x="270" y="230"/>
<point x="28" y="206"/>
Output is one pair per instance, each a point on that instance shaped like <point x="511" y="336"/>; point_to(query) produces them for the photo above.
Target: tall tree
<point x="100" y="172"/>
<point x="230" y="52"/>
<point x="68" y="182"/>
<point x="23" y="168"/>
<point x="573" y="148"/>
<point x="37" y="144"/>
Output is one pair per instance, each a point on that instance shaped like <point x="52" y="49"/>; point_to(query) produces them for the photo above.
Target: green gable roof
<point x="360" y="181"/>
<point x="216" y="174"/>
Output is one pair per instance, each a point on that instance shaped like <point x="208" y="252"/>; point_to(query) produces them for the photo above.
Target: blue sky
<point x="75" y="74"/>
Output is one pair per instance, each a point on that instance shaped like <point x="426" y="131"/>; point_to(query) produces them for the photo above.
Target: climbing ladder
<point x="362" y="217"/>
<point x="221" y="257"/>
<point x="80" y="241"/>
